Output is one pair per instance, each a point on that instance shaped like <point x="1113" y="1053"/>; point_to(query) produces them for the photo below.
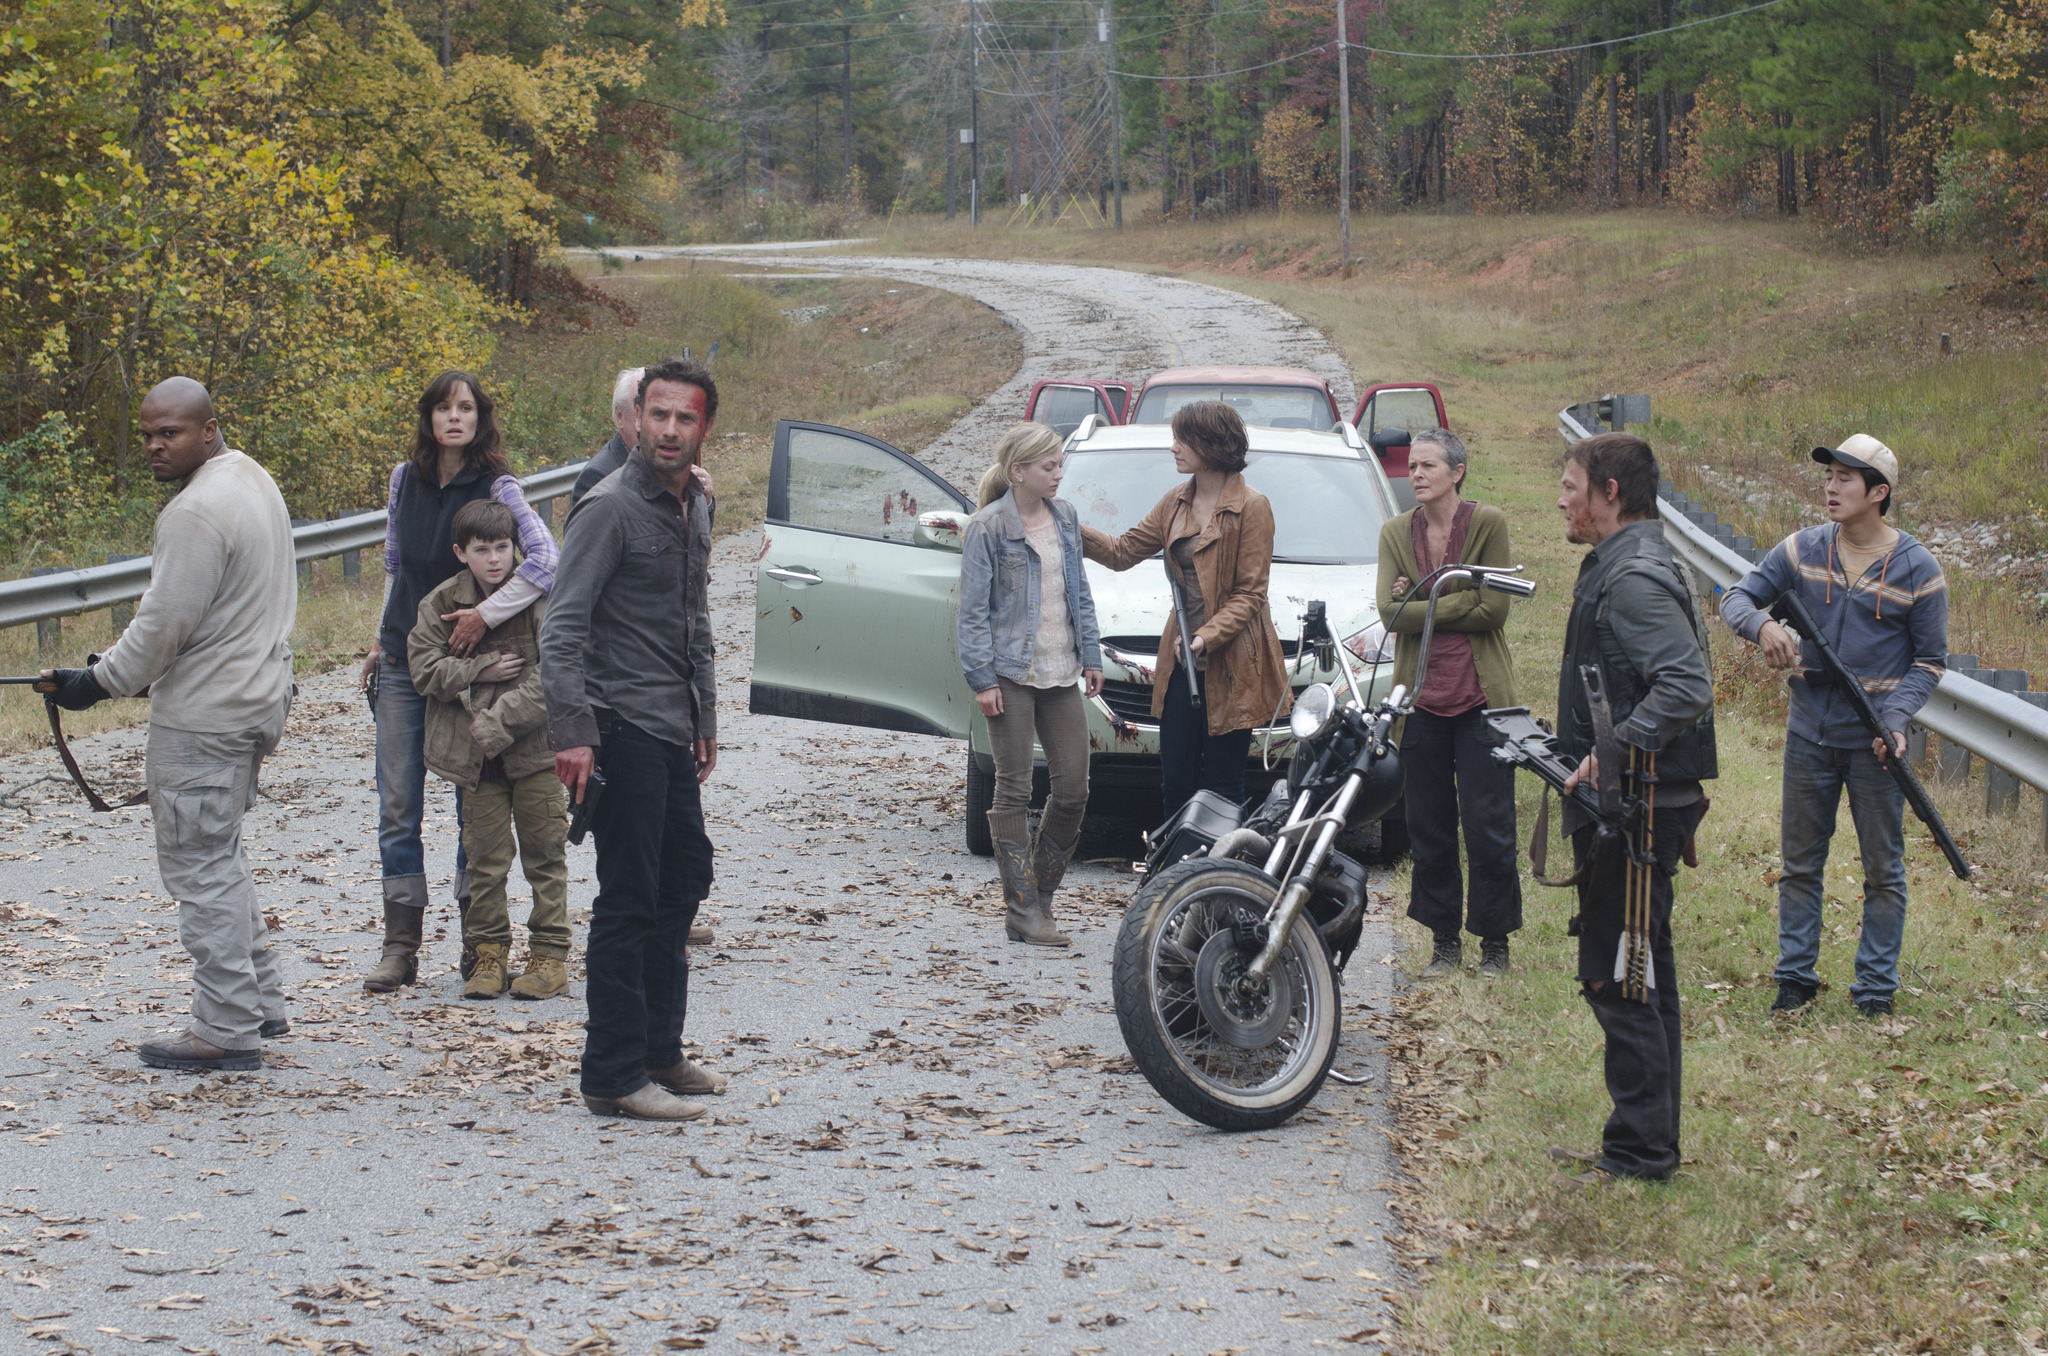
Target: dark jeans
<point x="1644" y="1065"/>
<point x="653" y="870"/>
<point x="402" y="790"/>
<point x="1190" y="758"/>
<point x="1454" y="779"/>
<point x="1815" y="777"/>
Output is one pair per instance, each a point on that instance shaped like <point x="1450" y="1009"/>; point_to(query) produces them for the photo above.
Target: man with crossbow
<point x="1635" y="708"/>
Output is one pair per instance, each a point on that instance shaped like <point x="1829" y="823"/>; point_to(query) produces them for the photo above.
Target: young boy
<point x="487" y="733"/>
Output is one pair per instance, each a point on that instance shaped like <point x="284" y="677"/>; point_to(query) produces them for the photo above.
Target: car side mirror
<point x="941" y="530"/>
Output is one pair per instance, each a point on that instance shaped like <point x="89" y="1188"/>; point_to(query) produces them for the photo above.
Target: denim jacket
<point x="1000" y="586"/>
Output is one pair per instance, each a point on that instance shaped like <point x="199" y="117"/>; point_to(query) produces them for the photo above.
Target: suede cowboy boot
<point x="399" y="965"/>
<point x="1012" y="834"/>
<point x="1058" y="835"/>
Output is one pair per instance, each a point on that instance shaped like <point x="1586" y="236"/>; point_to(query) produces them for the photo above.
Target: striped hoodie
<point x="1890" y="627"/>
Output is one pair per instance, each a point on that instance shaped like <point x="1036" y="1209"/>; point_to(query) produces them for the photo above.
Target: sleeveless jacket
<point x="422" y="515"/>
<point x="1634" y="558"/>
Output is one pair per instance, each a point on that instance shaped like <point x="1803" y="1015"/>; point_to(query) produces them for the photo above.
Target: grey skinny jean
<point x="200" y="787"/>
<point x="1059" y="719"/>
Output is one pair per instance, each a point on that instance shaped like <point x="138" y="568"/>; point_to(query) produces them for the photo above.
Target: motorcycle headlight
<point x="1315" y="706"/>
<point x="1373" y="645"/>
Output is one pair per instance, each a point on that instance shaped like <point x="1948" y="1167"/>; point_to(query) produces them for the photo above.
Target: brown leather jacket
<point x="1245" y="675"/>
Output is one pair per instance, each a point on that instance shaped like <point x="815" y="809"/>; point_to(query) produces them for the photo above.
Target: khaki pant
<point x="200" y="787"/>
<point x="1058" y="717"/>
<point x="537" y="807"/>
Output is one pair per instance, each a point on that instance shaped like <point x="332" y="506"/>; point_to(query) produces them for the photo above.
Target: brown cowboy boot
<point x="1020" y="897"/>
<point x="399" y="965"/>
<point x="1060" y="826"/>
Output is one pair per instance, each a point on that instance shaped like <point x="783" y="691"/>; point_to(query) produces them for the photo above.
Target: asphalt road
<point x="932" y="1142"/>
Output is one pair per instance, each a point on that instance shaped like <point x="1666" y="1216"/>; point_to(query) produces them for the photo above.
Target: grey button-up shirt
<point x="628" y="627"/>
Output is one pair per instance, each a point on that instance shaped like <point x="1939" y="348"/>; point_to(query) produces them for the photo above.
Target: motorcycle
<point x="1228" y="963"/>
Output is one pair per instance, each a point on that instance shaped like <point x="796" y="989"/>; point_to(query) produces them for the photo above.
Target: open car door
<point x="1387" y="415"/>
<point x="857" y="602"/>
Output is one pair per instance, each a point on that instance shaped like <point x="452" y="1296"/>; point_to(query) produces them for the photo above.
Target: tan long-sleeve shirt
<point x="211" y="639"/>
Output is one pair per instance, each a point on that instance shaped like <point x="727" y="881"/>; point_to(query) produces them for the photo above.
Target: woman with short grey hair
<point x="1452" y="776"/>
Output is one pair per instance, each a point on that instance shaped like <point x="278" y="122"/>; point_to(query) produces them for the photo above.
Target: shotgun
<point x="1187" y="648"/>
<point x="1790" y="611"/>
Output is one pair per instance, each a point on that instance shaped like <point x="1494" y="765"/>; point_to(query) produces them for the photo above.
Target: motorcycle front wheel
<point x="1233" y="1056"/>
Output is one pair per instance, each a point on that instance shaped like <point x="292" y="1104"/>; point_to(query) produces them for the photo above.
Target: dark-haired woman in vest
<point x="457" y="456"/>
<point x="1217" y="533"/>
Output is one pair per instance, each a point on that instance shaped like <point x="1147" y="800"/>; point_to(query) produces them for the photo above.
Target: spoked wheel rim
<point x="1209" y="1022"/>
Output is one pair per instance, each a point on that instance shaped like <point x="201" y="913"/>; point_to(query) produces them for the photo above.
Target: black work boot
<point x="467" y="965"/>
<point x="1448" y="956"/>
<point x="1493" y="956"/>
<point x="1793" y="996"/>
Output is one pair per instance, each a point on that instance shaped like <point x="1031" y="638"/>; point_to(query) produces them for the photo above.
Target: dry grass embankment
<point x="898" y="362"/>
<point x="1849" y="1186"/>
<point x="1756" y="341"/>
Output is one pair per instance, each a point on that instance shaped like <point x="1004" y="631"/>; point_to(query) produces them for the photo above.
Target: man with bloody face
<point x="626" y="664"/>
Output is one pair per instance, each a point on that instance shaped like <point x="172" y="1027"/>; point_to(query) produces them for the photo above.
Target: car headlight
<point x="1315" y="706"/>
<point x="1373" y="645"/>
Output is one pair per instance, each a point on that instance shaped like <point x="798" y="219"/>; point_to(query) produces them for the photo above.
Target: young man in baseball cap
<point x="1880" y="596"/>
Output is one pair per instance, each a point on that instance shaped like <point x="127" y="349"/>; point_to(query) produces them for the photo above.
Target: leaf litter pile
<point x="929" y="1133"/>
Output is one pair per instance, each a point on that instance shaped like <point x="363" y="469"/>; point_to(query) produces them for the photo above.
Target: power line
<point x="1457" y="56"/>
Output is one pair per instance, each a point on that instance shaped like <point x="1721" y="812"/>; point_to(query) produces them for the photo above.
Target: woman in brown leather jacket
<point x="1217" y="533"/>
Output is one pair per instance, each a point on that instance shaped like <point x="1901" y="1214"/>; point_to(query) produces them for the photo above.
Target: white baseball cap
<point x="1864" y="453"/>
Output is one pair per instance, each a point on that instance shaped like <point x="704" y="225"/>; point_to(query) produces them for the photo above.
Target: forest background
<point x="313" y="205"/>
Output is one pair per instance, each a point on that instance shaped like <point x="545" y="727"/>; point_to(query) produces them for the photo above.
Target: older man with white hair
<point x="625" y="419"/>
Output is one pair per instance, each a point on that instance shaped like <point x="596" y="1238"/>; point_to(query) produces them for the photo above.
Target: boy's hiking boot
<point x="488" y="979"/>
<point x="545" y="977"/>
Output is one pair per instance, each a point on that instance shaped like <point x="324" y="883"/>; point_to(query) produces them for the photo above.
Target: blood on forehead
<point x="675" y="397"/>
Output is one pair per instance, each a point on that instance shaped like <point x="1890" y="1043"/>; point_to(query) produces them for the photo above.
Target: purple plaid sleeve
<point x="391" y="522"/>
<point x="536" y="542"/>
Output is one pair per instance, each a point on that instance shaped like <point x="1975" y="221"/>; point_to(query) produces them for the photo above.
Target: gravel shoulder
<point x="933" y="1141"/>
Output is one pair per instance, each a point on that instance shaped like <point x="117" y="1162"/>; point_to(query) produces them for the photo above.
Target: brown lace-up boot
<point x="489" y="979"/>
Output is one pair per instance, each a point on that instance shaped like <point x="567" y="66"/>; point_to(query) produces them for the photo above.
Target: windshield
<point x="1263" y="406"/>
<point x="1326" y="510"/>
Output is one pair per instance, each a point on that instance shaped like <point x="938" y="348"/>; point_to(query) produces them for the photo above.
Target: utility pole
<point x="1116" y="113"/>
<point x="1344" y="137"/>
<point x="974" y="117"/>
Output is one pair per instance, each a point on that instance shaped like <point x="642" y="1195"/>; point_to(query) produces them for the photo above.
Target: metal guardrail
<point x="1993" y="718"/>
<point x="65" y="593"/>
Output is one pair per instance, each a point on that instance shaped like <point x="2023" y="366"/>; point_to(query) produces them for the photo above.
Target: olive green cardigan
<point x="1478" y="614"/>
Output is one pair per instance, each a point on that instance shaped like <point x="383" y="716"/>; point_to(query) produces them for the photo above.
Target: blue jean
<point x="402" y="790"/>
<point x="1814" y="778"/>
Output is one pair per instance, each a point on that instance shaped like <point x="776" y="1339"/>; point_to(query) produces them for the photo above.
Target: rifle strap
<point x="92" y="797"/>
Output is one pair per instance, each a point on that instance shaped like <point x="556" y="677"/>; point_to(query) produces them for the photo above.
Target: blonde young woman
<point x="1029" y="648"/>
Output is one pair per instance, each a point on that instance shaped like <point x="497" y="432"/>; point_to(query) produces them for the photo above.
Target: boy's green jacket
<point x="510" y="719"/>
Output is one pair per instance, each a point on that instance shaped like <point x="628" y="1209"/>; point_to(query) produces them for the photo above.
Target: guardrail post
<point x="2001" y="788"/>
<point x="1916" y="744"/>
<point x="120" y="614"/>
<point x="305" y="566"/>
<point x="49" y="630"/>
<point x="1955" y="759"/>
<point x="352" y="561"/>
